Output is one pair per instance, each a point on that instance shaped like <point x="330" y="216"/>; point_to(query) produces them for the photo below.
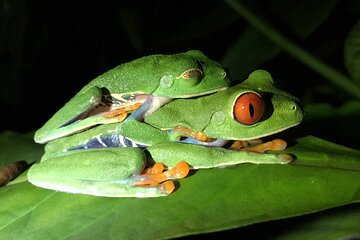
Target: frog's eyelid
<point x="191" y="73"/>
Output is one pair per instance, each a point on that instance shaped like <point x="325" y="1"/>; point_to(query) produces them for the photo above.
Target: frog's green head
<point x="252" y="109"/>
<point x="190" y="74"/>
<point x="255" y="109"/>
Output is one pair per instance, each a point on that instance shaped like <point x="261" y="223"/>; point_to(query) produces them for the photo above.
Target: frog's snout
<point x="297" y="110"/>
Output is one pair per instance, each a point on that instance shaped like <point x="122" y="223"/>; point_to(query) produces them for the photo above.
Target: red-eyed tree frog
<point x="109" y="160"/>
<point x="148" y="82"/>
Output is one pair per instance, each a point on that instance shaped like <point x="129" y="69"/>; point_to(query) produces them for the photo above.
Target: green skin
<point x="155" y="75"/>
<point x="112" y="171"/>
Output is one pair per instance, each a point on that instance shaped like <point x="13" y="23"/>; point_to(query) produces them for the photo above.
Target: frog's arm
<point x="210" y="157"/>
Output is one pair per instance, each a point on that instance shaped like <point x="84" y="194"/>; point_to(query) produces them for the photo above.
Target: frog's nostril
<point x="223" y="74"/>
<point x="294" y="107"/>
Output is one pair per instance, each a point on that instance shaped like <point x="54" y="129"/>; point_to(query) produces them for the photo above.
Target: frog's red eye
<point x="248" y="108"/>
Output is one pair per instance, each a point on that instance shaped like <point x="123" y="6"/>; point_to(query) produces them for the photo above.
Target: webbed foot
<point x="155" y="176"/>
<point x="184" y="131"/>
<point x="258" y="146"/>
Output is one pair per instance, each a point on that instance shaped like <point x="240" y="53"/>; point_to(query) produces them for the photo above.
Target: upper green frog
<point x="149" y="82"/>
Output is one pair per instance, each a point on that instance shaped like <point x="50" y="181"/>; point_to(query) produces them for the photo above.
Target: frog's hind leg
<point x="108" y="172"/>
<point x="67" y="120"/>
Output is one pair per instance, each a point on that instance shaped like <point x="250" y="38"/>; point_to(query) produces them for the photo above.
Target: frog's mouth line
<point x="203" y="93"/>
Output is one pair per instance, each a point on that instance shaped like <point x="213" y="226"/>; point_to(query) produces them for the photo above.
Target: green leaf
<point x="320" y="153"/>
<point x="341" y="223"/>
<point x="209" y="200"/>
<point x="352" y="53"/>
<point x="16" y="147"/>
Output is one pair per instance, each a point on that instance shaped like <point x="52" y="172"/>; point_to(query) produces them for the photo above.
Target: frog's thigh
<point x="80" y="170"/>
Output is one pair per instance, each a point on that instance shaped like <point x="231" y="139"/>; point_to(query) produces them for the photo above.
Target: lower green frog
<point x="217" y="130"/>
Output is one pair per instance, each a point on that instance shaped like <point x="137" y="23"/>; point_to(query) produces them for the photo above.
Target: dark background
<point x="50" y="49"/>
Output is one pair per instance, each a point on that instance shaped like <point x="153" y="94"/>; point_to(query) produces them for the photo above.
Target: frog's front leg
<point x="258" y="146"/>
<point x="181" y="131"/>
<point x="110" y="172"/>
<point x="254" y="145"/>
<point x="198" y="156"/>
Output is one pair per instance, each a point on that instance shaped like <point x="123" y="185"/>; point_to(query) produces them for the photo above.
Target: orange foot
<point x="121" y="113"/>
<point x="276" y="144"/>
<point x="155" y="176"/>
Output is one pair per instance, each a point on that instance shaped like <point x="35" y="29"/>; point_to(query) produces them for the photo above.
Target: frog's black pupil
<point x="251" y="110"/>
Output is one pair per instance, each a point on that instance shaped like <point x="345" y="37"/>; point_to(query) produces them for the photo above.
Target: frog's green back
<point x="160" y="75"/>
